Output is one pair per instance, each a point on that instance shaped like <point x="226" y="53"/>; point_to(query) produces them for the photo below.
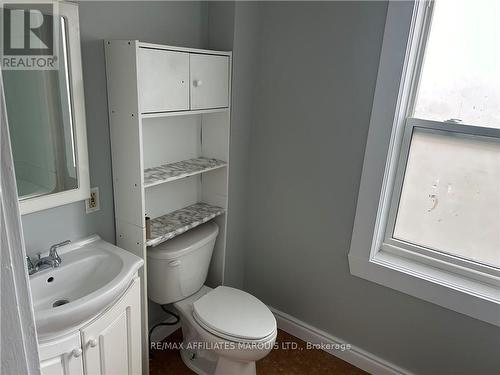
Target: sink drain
<point x="60" y="302"/>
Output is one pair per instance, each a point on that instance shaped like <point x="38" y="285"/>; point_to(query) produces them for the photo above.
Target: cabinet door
<point x="163" y="80"/>
<point x="209" y="81"/>
<point x="112" y="343"/>
<point x="62" y="356"/>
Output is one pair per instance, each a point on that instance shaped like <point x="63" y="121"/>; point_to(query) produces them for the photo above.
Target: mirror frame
<point x="82" y="192"/>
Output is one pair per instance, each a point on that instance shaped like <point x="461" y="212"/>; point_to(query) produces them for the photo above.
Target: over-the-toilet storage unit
<point x="169" y="111"/>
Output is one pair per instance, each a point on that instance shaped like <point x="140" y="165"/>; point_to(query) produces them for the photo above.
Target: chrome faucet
<point x="53" y="260"/>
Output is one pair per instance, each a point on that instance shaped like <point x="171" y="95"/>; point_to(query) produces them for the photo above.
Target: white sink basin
<point x="92" y="275"/>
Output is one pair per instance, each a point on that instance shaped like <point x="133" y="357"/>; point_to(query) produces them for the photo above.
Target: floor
<point x="290" y="361"/>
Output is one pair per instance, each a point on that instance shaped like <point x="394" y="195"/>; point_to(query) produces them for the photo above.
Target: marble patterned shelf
<point x="174" y="171"/>
<point x="168" y="226"/>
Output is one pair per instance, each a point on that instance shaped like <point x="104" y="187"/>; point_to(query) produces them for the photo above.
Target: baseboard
<point x="355" y="356"/>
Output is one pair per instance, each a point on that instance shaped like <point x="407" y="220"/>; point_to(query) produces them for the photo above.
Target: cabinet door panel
<point x="112" y="343"/>
<point x="163" y="80"/>
<point x="209" y="81"/>
<point x="62" y="356"/>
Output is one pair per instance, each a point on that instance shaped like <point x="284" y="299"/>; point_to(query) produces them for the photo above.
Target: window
<point x="446" y="196"/>
<point x="436" y="231"/>
<point x="450" y="197"/>
<point x="460" y="76"/>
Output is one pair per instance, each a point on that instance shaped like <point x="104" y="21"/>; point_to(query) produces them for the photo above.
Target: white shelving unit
<point x="169" y="110"/>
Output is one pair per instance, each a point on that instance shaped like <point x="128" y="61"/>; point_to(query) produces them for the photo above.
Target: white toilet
<point x="225" y="329"/>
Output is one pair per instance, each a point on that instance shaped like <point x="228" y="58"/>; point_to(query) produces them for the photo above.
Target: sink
<point x="92" y="275"/>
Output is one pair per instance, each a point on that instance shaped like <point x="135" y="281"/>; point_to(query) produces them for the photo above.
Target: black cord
<point x="177" y="320"/>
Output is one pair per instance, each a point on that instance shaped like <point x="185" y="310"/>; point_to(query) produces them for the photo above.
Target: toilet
<point x="225" y="329"/>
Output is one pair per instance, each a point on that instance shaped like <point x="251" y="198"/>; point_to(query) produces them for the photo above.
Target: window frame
<point x="456" y="283"/>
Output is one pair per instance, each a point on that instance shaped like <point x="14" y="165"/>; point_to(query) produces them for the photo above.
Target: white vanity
<point x="88" y="311"/>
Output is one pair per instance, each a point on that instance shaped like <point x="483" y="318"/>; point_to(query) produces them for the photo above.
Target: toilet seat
<point x="234" y="315"/>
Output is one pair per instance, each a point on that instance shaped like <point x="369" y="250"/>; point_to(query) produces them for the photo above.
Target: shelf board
<point x="147" y="115"/>
<point x="175" y="171"/>
<point x="168" y="226"/>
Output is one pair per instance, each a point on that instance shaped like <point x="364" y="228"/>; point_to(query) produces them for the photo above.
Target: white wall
<point x="315" y="81"/>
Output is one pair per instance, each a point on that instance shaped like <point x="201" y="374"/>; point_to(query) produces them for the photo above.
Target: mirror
<point x="41" y="127"/>
<point x="48" y="147"/>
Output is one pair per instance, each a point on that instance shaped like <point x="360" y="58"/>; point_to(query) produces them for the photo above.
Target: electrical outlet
<point x="92" y="204"/>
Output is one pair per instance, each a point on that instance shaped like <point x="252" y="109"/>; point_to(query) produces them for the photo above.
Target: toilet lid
<point x="235" y="313"/>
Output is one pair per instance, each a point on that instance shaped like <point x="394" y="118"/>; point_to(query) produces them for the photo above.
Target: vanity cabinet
<point x="172" y="80"/>
<point x="112" y="343"/>
<point x="108" y="345"/>
<point x="62" y="356"/>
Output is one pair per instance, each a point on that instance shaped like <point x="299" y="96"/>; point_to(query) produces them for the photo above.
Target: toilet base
<point x="227" y="367"/>
<point x="199" y="364"/>
<point x="222" y="366"/>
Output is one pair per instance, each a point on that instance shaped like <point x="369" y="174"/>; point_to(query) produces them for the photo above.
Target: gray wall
<point x="233" y="26"/>
<point x="177" y="23"/>
<point x="315" y="82"/>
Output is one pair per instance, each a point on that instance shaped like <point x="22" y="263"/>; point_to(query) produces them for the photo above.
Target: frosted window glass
<point x="450" y="200"/>
<point x="460" y="76"/>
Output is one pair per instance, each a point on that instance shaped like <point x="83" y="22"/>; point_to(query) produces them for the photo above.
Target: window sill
<point x="464" y="295"/>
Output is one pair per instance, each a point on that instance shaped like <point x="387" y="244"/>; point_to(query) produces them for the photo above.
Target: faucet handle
<point x="31" y="267"/>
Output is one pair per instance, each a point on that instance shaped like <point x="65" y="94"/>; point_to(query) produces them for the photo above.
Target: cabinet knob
<point x="76" y="352"/>
<point x="197" y="82"/>
<point x="93" y="343"/>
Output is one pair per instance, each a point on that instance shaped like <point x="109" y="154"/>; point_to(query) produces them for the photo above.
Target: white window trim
<point x="451" y="284"/>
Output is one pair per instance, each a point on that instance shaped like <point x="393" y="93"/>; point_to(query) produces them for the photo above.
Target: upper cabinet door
<point x="163" y="80"/>
<point x="209" y="81"/>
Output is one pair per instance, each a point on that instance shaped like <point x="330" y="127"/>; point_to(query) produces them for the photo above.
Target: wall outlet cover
<point x="92" y="204"/>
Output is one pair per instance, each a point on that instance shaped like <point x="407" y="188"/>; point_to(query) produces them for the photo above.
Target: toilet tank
<point x="178" y="267"/>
